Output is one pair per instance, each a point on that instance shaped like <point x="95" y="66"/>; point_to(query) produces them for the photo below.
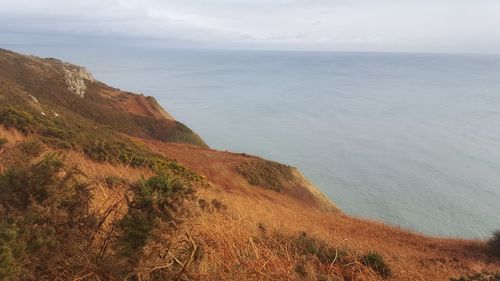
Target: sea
<point x="412" y="140"/>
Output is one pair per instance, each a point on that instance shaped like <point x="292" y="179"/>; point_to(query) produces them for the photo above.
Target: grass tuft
<point x="376" y="262"/>
<point x="3" y="142"/>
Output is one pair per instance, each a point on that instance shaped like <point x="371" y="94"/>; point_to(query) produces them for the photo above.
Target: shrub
<point x="48" y="232"/>
<point x="268" y="174"/>
<point x="160" y="194"/>
<point x="137" y="226"/>
<point x="301" y="270"/>
<point x="213" y="205"/>
<point x="377" y="263"/>
<point x="9" y="251"/>
<point x="3" y="142"/>
<point x="218" y="205"/>
<point x="31" y="147"/>
<point x="156" y="199"/>
<point x="307" y="245"/>
<point x="494" y="243"/>
<point x="43" y="220"/>
<point x="13" y="116"/>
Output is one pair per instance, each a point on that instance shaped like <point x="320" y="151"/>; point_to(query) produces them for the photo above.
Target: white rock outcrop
<point x="76" y="78"/>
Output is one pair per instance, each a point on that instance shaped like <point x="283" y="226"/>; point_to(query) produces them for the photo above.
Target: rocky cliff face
<point x="76" y="78"/>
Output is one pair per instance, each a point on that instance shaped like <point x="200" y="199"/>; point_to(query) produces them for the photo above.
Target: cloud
<point x="366" y="25"/>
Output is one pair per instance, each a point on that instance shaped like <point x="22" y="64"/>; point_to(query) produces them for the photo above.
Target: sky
<point x="444" y="26"/>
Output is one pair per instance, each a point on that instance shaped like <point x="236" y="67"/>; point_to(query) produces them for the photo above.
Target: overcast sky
<point x="470" y="26"/>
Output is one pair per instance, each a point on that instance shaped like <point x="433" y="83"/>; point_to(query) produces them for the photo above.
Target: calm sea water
<point x="413" y="140"/>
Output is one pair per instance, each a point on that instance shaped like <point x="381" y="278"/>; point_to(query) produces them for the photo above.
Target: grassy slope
<point x="229" y="232"/>
<point x="44" y="79"/>
<point x="246" y="232"/>
<point x="410" y="255"/>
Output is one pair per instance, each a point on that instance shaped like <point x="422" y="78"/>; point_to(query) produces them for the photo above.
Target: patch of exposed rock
<point x="76" y="77"/>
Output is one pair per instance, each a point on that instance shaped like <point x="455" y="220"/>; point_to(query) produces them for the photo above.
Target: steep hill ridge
<point x="63" y="88"/>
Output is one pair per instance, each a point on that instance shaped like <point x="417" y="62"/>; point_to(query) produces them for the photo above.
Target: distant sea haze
<point x="410" y="139"/>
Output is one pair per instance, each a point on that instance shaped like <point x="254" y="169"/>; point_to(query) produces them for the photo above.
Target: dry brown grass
<point x="230" y="238"/>
<point x="410" y="256"/>
<point x="221" y="168"/>
<point x="11" y="135"/>
<point x="236" y="248"/>
<point x="139" y="104"/>
<point x="231" y="253"/>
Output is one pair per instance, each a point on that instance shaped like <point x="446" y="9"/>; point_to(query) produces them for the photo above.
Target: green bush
<point x="494" y="243"/>
<point x="307" y="245"/>
<point x="44" y="220"/>
<point x="137" y="227"/>
<point x="376" y="262"/>
<point x="47" y="230"/>
<point x="160" y="192"/>
<point x="155" y="199"/>
<point x="13" y="116"/>
<point x="268" y="174"/>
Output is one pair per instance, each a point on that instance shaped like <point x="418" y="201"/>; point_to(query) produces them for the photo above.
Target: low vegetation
<point x="44" y="220"/>
<point x="319" y="260"/>
<point x="377" y="263"/>
<point x="267" y="174"/>
<point x="494" y="244"/>
<point x="48" y="231"/>
<point x="99" y="143"/>
<point x="155" y="199"/>
<point x="483" y="276"/>
<point x="3" y="142"/>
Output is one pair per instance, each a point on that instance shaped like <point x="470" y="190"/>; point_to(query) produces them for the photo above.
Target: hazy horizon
<point x="38" y="50"/>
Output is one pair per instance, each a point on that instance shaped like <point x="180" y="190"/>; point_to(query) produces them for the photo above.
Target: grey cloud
<point x="357" y="25"/>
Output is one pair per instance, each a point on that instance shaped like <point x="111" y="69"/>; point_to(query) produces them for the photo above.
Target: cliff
<point x="101" y="184"/>
<point x="50" y="86"/>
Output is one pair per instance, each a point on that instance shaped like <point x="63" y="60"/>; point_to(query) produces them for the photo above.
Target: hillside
<point x="52" y="87"/>
<point x="101" y="184"/>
